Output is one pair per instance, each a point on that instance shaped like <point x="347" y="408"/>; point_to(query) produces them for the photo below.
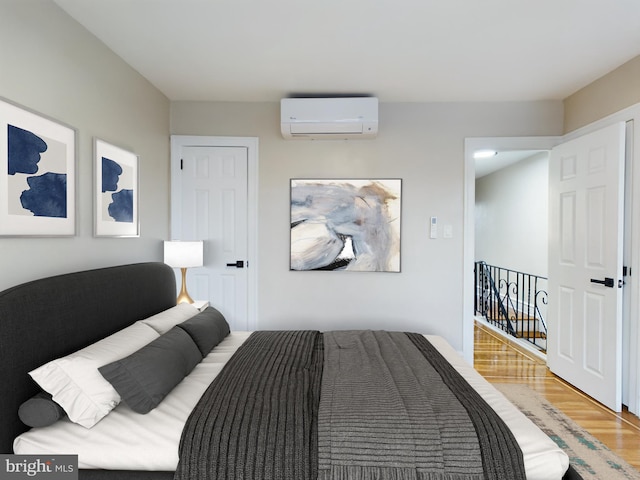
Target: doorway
<point x="631" y="370"/>
<point x="472" y="145"/>
<point x="511" y="243"/>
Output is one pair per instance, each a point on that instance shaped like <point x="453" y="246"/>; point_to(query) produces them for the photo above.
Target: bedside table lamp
<point x="182" y="255"/>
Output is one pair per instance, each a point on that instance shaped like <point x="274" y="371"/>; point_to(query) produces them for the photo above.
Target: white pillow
<point x="75" y="382"/>
<point x="165" y="321"/>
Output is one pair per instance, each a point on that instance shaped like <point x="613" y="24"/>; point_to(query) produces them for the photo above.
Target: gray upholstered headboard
<point x="52" y="317"/>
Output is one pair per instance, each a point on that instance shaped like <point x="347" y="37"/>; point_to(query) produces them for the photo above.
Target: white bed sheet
<point x="153" y="443"/>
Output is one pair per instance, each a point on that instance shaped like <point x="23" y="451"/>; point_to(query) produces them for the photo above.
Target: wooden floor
<point x="500" y="362"/>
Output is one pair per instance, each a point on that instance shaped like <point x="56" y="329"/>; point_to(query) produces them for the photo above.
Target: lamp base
<point x="183" y="296"/>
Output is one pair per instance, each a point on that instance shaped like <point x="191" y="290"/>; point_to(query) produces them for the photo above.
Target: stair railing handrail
<point x="503" y="310"/>
<point x="543" y="298"/>
<point x="503" y="301"/>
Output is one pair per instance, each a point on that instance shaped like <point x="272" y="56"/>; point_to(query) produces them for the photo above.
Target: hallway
<point x="499" y="361"/>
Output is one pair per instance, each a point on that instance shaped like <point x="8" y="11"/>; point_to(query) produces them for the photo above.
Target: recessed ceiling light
<point x="484" y="154"/>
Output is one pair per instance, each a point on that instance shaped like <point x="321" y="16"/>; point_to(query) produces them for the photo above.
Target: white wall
<point x="512" y="216"/>
<point x="50" y="64"/>
<point x="421" y="143"/>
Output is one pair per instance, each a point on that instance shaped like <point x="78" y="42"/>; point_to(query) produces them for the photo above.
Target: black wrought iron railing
<point x="514" y="301"/>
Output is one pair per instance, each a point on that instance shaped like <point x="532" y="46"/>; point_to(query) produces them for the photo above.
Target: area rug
<point x="589" y="457"/>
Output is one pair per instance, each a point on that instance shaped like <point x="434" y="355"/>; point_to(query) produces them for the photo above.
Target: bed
<point x="54" y="317"/>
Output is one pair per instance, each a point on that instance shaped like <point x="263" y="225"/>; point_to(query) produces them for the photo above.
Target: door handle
<point x="237" y="264"/>
<point x="607" y="282"/>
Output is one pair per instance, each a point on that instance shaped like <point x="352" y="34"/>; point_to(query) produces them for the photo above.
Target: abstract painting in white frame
<point x="37" y="177"/>
<point x="345" y="224"/>
<point x="116" y="191"/>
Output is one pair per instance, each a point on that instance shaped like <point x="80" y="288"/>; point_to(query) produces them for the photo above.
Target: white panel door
<point x="214" y="209"/>
<point x="586" y="214"/>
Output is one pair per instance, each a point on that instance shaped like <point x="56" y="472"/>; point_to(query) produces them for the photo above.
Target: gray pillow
<point x="145" y="377"/>
<point x="207" y="329"/>
<point x="40" y="411"/>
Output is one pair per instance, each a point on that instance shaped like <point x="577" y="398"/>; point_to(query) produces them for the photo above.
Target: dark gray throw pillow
<point x="40" y="411"/>
<point x="145" y="377"/>
<point x="208" y="328"/>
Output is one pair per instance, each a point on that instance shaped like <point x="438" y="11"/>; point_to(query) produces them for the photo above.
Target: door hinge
<point x="626" y="271"/>
<point x="181" y="164"/>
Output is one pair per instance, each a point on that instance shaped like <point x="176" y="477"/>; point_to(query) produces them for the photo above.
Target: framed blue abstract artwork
<point x="116" y="191"/>
<point x="37" y="178"/>
<point x="345" y="225"/>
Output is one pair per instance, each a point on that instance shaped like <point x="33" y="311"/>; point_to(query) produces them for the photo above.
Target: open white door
<point x="586" y="215"/>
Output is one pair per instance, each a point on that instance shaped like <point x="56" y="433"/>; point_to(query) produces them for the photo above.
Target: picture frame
<point x="346" y="224"/>
<point x="116" y="193"/>
<point x="38" y="174"/>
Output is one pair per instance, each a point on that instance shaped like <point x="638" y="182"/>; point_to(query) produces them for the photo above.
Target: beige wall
<point x="52" y="65"/>
<point x="609" y="94"/>
<point x="423" y="144"/>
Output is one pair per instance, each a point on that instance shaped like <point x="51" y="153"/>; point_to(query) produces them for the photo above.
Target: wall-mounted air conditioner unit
<point x="329" y="118"/>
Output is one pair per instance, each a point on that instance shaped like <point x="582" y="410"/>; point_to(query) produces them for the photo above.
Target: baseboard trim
<point x="514" y="342"/>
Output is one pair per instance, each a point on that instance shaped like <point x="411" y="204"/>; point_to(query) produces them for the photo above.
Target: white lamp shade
<point x="180" y="254"/>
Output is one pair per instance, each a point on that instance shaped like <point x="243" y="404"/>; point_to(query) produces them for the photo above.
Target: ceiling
<point x="397" y="50"/>
<point x="486" y="166"/>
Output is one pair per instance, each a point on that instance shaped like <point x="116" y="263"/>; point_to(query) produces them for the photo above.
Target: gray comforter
<point x="360" y="405"/>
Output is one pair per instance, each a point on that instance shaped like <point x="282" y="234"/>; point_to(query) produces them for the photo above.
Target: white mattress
<point x="153" y="443"/>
